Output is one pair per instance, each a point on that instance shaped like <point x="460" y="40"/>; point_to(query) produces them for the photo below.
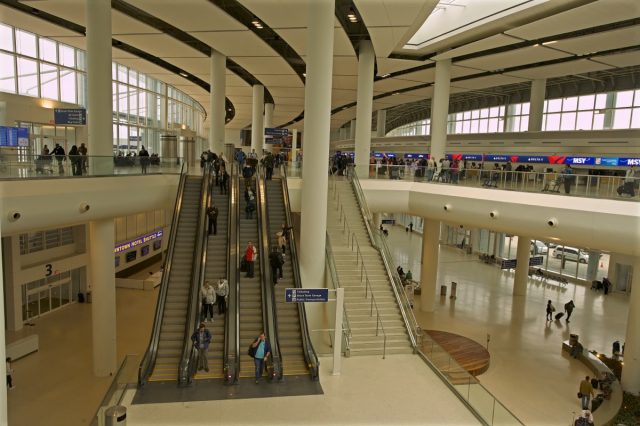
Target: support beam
<point x="536" y="104"/>
<point x="268" y="122"/>
<point x="440" y="109"/>
<point x="429" y="269"/>
<point x="631" y="369"/>
<point x="217" y="99"/>
<point x="257" y="123"/>
<point x="381" y="123"/>
<point x="366" y="61"/>
<point x="522" y="268"/>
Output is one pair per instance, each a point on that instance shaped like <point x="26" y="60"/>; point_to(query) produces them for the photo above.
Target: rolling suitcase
<point x="559" y="315"/>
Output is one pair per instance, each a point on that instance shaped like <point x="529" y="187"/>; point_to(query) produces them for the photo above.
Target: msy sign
<point x="629" y="162"/>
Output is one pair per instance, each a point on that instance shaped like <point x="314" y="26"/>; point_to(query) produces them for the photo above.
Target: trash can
<point x="80" y="297"/>
<point x="116" y="415"/>
<point x="573" y="339"/>
<point x="443" y="290"/>
<point x="454" y="287"/>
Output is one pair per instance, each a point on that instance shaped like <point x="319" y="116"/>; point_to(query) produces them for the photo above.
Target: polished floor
<point x="528" y="372"/>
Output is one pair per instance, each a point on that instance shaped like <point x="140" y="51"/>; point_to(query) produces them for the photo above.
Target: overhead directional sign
<point x="297" y="295"/>
<point x="272" y="131"/>
<point x="508" y="264"/>
<point x="73" y="116"/>
<point x="536" y="260"/>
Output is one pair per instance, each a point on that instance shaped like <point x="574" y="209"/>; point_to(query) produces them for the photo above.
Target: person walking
<point x="74" y="158"/>
<point x="208" y="299"/>
<point x="59" y="154"/>
<point x="586" y="392"/>
<point x="82" y="149"/>
<point x="282" y="241"/>
<point x="222" y="292"/>
<point x="250" y="198"/>
<point x="568" y="308"/>
<point x="212" y="214"/>
<point x="201" y="339"/>
<point x="224" y="180"/>
<point x="262" y="351"/>
<point x="143" y="156"/>
<point x="250" y="257"/>
<point x="9" y="374"/>
<point x="276" y="261"/>
<point x="550" y="310"/>
<point x="410" y="226"/>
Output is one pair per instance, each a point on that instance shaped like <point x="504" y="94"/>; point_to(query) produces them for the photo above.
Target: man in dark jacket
<point x="262" y="350"/>
<point x="201" y="339"/>
<point x="276" y="261"/>
<point x="59" y="154"/>
<point x="212" y="214"/>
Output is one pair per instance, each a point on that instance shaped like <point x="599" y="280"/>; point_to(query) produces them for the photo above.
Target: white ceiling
<point x="390" y="24"/>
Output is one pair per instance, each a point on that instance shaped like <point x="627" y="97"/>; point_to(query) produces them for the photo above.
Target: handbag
<point x="579" y="395"/>
<point x="252" y="351"/>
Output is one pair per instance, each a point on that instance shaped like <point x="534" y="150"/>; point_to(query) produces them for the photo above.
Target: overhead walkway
<point x="171" y="329"/>
<point x="296" y="351"/>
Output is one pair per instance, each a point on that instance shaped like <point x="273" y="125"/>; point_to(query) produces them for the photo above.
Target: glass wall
<point x="613" y="110"/>
<point x="36" y="66"/>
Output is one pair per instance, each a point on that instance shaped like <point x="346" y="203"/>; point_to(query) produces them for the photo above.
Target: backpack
<point x="583" y="422"/>
<point x="252" y="351"/>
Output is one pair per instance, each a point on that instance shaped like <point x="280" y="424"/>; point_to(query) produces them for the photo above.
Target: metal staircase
<point x="376" y="320"/>
<point x="298" y="357"/>
<point x="163" y="357"/>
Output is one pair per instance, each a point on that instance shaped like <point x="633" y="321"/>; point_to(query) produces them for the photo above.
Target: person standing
<point x="144" y="159"/>
<point x="222" y="292"/>
<point x="74" y="157"/>
<point x="208" y="299"/>
<point x="212" y="214"/>
<point x="606" y="284"/>
<point x="568" y="308"/>
<point x="201" y="339"/>
<point x="83" y="159"/>
<point x="586" y="392"/>
<point x="276" y="261"/>
<point x="250" y="198"/>
<point x="550" y="310"/>
<point x="262" y="352"/>
<point x="59" y="154"/>
<point x="567" y="178"/>
<point x="410" y="226"/>
<point x="9" y="374"/>
<point x="250" y="257"/>
<point x="282" y="241"/>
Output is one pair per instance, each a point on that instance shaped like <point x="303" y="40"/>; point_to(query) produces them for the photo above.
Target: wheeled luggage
<point x="559" y="315"/>
<point x="627" y="188"/>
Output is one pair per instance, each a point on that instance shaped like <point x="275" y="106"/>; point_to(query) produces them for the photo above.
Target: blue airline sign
<point x="140" y="240"/>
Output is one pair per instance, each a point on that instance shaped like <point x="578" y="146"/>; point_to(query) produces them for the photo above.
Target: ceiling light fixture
<point x="546" y="43"/>
<point x="395" y="93"/>
<point x="304" y="74"/>
<point x="256" y="23"/>
<point x="184" y="74"/>
<point x="385" y="75"/>
<point x="351" y="16"/>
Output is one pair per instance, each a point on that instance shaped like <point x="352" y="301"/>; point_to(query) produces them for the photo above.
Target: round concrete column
<point x="366" y="61"/>
<point x="522" y="267"/>
<point x="631" y="369"/>
<point x="317" y="124"/>
<point x="217" y="101"/>
<point x="429" y="269"/>
<point x="440" y="109"/>
<point x="257" y="123"/>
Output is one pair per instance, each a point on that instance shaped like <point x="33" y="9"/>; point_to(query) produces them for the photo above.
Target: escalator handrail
<point x="269" y="314"/>
<point x="189" y="358"/>
<point x="236" y="189"/>
<point x="380" y="244"/>
<point x="231" y="330"/>
<point x="309" y="352"/>
<point x="149" y="359"/>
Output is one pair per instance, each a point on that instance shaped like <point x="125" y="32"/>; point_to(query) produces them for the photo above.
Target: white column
<point x="592" y="265"/>
<point x="381" y="123"/>
<point x="217" y="107"/>
<point x="103" y="294"/>
<point x="536" y="107"/>
<point x="268" y="122"/>
<point x="3" y="353"/>
<point x="343" y="133"/>
<point x="631" y="369"/>
<point x="522" y="267"/>
<point x="377" y="220"/>
<point x="294" y="145"/>
<point x="440" y="109"/>
<point x="99" y="102"/>
<point x="352" y="129"/>
<point x="429" y="269"/>
<point x="474" y="240"/>
<point x="317" y="123"/>
<point x="257" y="123"/>
<point x="366" y="61"/>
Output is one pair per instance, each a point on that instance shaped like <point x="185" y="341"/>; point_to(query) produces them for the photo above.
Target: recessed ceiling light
<point x="256" y="23"/>
<point x="304" y="74"/>
<point x="351" y="16"/>
<point x="184" y="74"/>
<point x="549" y="42"/>
<point x="345" y="107"/>
<point x="385" y="75"/>
<point x="395" y="93"/>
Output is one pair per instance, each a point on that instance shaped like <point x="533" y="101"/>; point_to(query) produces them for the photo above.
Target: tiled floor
<point x="528" y="373"/>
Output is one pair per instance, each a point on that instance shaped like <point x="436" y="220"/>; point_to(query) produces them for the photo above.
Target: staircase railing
<point x="364" y="276"/>
<point x="269" y="314"/>
<point x="309" y="352"/>
<point x="333" y="274"/>
<point x="231" y="330"/>
<point x="149" y="360"/>
<point x="415" y="332"/>
<point x="234" y="288"/>
<point x="189" y="359"/>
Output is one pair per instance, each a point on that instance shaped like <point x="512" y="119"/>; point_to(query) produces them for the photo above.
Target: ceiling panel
<point x="384" y="40"/>
<point x="559" y="70"/>
<point x="75" y="41"/>
<point x="194" y="15"/>
<point x="590" y="15"/>
<point x="236" y="43"/>
<point x="143" y="66"/>
<point x="388" y="65"/>
<point x="32" y="23"/>
<point x="281" y="100"/>
<point x="199" y="66"/>
<point x="286" y="80"/>
<point x="234" y="81"/>
<point x="172" y="79"/>
<point x="343" y="65"/>
<point x="620" y="60"/>
<point x="161" y="45"/>
<point x="491" y="81"/>
<point x="123" y="24"/>
<point x="381" y="13"/>
<point x="391" y="84"/>
<point x="290" y="93"/>
<point x="71" y="10"/>
<point x="265" y="65"/>
<point x="478" y="46"/>
<point x="527" y="55"/>
<point x="280" y="13"/>
<point x="345" y="82"/>
<point x="600" y="42"/>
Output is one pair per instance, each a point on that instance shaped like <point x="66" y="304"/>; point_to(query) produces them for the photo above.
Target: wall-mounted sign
<point x="274" y="135"/>
<point x="140" y="240"/>
<point x="72" y="116"/>
<point x="628" y="161"/>
<point x="14" y="136"/>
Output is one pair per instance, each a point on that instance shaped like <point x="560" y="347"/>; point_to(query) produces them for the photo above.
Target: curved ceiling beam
<point x="243" y="15"/>
<point x="178" y="34"/>
<point x="79" y="29"/>
<point x="356" y="31"/>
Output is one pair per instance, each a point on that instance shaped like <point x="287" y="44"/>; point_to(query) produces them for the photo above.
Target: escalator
<point x="250" y="299"/>
<point x="297" y="355"/>
<point x="163" y="357"/>
<point x="216" y="266"/>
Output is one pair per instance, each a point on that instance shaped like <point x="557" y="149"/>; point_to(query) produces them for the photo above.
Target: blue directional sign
<point x="272" y="131"/>
<point x="536" y="260"/>
<point x="73" y="116"/>
<point x="297" y="295"/>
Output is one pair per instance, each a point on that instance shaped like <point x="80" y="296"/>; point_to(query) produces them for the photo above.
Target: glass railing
<point x="293" y="169"/>
<point x="52" y="166"/>
<point x="335" y="284"/>
<point x="592" y="186"/>
<point x="125" y="378"/>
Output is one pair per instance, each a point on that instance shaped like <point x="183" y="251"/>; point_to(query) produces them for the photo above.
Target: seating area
<point x="610" y="407"/>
